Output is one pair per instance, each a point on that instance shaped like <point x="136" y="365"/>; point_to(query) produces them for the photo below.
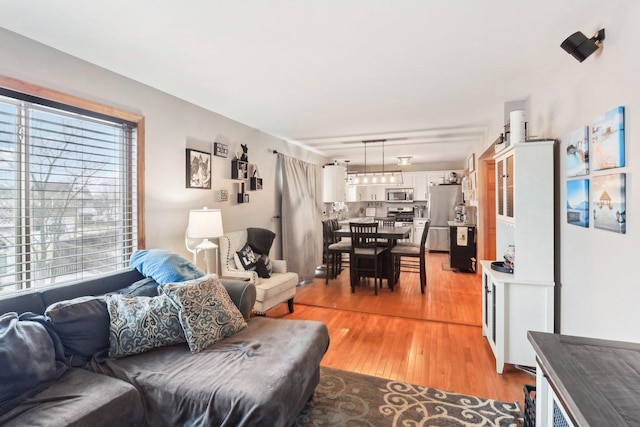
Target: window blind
<point x="68" y="193"/>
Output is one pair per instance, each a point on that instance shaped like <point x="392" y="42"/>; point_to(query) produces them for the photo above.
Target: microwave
<point x="399" y="195"/>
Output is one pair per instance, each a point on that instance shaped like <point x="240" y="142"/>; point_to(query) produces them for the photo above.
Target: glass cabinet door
<point x="500" y="187"/>
<point x="509" y="186"/>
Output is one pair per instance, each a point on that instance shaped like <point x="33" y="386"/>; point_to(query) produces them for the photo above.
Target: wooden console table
<point x="585" y="381"/>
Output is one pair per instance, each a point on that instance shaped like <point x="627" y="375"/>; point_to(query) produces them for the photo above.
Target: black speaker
<point x="580" y="47"/>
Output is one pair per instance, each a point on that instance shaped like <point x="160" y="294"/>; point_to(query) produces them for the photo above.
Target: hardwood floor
<point x="432" y="339"/>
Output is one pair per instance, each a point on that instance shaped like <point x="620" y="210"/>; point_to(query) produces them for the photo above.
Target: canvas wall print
<point x="608" y="197"/>
<point x="578" y="202"/>
<point x="578" y="152"/>
<point x="607" y="140"/>
<point x="198" y="169"/>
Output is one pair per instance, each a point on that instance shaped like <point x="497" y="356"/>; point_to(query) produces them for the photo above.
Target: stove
<point x="404" y="218"/>
<point x="403" y="215"/>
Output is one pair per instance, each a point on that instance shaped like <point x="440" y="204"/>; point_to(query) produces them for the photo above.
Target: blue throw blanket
<point x="164" y="266"/>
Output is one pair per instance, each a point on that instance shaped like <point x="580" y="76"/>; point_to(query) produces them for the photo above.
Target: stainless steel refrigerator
<point x="442" y="201"/>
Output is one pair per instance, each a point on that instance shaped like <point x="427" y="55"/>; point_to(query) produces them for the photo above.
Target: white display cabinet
<point x="514" y="303"/>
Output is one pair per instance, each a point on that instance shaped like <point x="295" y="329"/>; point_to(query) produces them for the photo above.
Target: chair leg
<point x="290" y="304"/>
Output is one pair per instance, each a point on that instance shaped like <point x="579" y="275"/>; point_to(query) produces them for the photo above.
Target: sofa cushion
<point x="83" y="326"/>
<point x="138" y="324"/>
<point x="207" y="313"/>
<point x="30" y="358"/>
<point x="261" y="376"/>
<point x="146" y="287"/>
<point x="80" y="398"/>
<point x="245" y="258"/>
<point x="164" y="266"/>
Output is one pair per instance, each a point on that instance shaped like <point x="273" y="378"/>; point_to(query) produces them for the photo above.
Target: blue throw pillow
<point x="29" y="359"/>
<point x="83" y="326"/>
<point x="164" y="266"/>
<point x="139" y="324"/>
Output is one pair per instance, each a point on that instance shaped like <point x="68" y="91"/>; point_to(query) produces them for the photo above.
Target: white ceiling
<point x="429" y="76"/>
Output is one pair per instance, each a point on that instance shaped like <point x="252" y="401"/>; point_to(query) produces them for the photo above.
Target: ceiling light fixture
<point x="404" y="160"/>
<point x="376" y="177"/>
<point x="580" y="47"/>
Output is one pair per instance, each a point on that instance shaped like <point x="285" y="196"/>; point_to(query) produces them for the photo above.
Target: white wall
<point x="172" y="125"/>
<point x="598" y="287"/>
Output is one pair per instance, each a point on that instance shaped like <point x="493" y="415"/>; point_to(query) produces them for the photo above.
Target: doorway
<point x="487" y="204"/>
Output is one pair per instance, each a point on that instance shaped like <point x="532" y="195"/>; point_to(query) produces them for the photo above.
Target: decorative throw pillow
<point x="139" y="324"/>
<point x="164" y="266"/>
<point x="207" y="312"/>
<point x="146" y="287"/>
<point x="28" y="358"/>
<point x="83" y="326"/>
<point x="247" y="258"/>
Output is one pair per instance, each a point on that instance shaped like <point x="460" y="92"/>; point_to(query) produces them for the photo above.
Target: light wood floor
<point x="432" y="339"/>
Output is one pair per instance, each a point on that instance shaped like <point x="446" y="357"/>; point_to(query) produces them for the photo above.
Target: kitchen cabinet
<point x="514" y="303"/>
<point x="365" y="193"/>
<point x="333" y="183"/>
<point x="510" y="309"/>
<point x="420" y="186"/>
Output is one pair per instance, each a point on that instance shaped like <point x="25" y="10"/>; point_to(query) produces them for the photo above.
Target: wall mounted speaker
<point x="580" y="47"/>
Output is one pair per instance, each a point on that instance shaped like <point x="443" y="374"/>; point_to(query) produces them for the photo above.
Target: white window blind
<point x="68" y="198"/>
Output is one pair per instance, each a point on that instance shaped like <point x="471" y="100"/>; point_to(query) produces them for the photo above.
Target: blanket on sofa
<point x="218" y="386"/>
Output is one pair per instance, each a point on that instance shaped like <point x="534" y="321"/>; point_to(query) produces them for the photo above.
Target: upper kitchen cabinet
<point x="420" y="186"/>
<point x="333" y="183"/>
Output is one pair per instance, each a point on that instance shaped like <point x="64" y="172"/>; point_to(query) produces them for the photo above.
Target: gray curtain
<point x="301" y="216"/>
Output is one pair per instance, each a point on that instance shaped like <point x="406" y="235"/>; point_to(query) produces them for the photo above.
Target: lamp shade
<point x="205" y="223"/>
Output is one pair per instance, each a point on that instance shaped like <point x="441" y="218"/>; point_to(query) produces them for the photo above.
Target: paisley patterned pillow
<point x="139" y="324"/>
<point x="207" y="313"/>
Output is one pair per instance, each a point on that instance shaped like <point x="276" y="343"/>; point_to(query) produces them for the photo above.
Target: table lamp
<point x="204" y="224"/>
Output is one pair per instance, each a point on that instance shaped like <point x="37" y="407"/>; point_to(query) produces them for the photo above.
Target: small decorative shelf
<point x="255" y="183"/>
<point x="239" y="169"/>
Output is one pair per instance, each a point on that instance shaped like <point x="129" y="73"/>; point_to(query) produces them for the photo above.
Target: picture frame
<point x="607" y="140"/>
<point x="608" y="195"/>
<point x="471" y="163"/>
<point x="220" y="149"/>
<point x="577" y="159"/>
<point x="578" y="202"/>
<point x="198" y="169"/>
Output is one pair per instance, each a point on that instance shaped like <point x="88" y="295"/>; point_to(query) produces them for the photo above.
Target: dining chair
<point x="411" y="250"/>
<point x="365" y="247"/>
<point x="334" y="249"/>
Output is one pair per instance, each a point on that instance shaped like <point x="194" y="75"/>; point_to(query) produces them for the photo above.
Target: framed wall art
<point x="198" y="169"/>
<point x="578" y="202"/>
<point x="609" y="207"/>
<point x="578" y="152"/>
<point x="607" y="140"/>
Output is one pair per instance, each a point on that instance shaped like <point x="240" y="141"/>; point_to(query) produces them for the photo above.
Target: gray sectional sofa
<point x="260" y="376"/>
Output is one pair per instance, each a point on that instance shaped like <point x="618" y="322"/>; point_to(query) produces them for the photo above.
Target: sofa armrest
<point x="279" y="265"/>
<point x="242" y="293"/>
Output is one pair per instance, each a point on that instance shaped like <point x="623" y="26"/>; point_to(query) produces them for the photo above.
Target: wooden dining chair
<point x="365" y="249"/>
<point x="334" y="249"/>
<point x="411" y="250"/>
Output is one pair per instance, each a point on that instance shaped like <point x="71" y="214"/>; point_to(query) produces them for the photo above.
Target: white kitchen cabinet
<point x="420" y="186"/>
<point x="510" y="309"/>
<point x="333" y="183"/>
<point x="514" y="303"/>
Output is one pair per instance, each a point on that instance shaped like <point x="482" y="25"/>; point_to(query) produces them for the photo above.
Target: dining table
<point x="390" y="234"/>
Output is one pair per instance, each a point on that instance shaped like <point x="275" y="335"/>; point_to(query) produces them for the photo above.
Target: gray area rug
<point x="350" y="399"/>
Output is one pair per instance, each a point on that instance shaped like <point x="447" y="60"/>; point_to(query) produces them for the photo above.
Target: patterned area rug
<point x="349" y="399"/>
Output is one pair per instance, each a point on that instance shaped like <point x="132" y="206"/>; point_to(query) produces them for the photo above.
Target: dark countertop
<point x="598" y="380"/>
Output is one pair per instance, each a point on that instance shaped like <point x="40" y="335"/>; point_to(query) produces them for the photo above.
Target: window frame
<point x="75" y="102"/>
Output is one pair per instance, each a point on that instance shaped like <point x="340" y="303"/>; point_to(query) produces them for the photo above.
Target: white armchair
<point x="279" y="288"/>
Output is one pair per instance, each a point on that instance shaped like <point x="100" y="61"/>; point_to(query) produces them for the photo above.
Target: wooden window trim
<point x="74" y="101"/>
